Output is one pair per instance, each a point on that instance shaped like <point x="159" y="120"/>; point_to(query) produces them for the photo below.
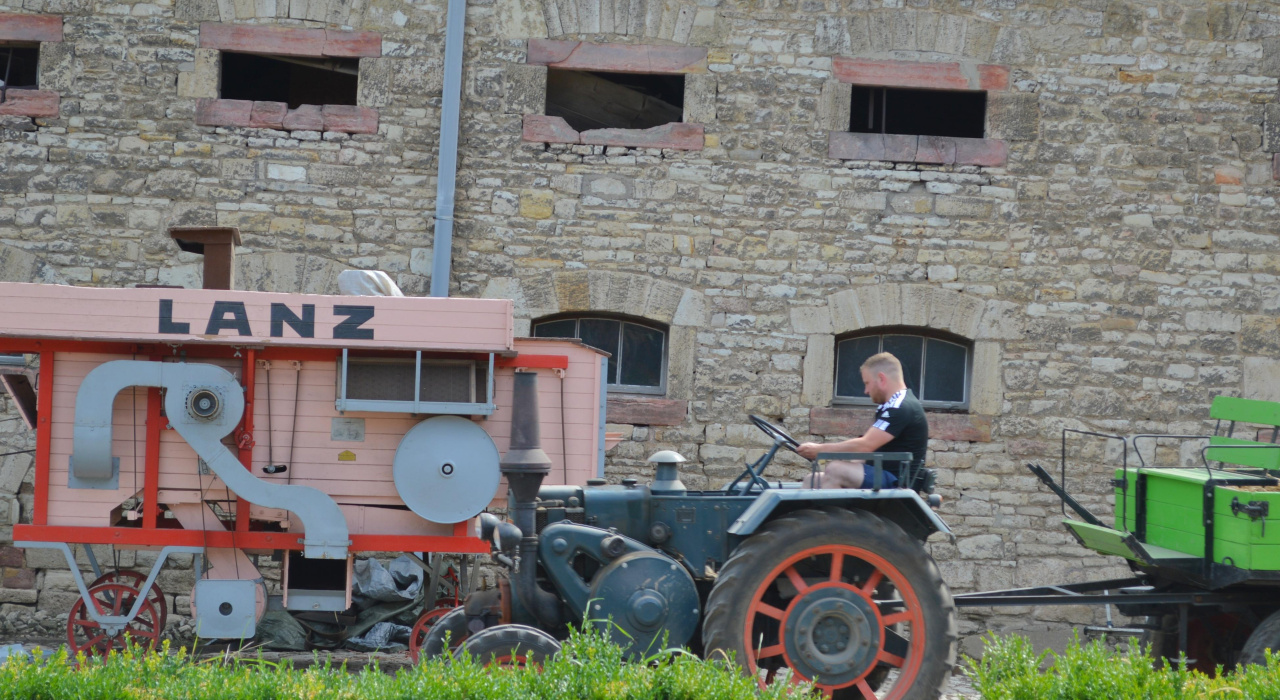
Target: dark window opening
<point x="880" y="110"/>
<point x="637" y="353"/>
<point x="19" y="66"/>
<point x="296" y="81"/>
<point x="597" y="100"/>
<point x="936" y="369"/>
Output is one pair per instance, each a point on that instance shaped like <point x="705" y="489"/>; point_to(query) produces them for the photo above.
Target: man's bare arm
<point x="873" y="440"/>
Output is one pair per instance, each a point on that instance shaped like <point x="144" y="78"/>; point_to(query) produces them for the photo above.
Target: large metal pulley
<point x="446" y="469"/>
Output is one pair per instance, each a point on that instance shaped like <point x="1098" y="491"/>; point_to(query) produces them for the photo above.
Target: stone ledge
<point x="912" y="74"/>
<point x="1275" y="167"/>
<point x="539" y="128"/>
<point x="961" y="427"/>
<point x="30" y="103"/>
<point x="30" y="27"/>
<point x="932" y="150"/>
<point x="619" y="58"/>
<point x="349" y="119"/>
<point x="288" y="41"/>
<point x="637" y="410"/>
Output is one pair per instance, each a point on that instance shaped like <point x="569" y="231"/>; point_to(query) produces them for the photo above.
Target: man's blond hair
<point x="884" y="362"/>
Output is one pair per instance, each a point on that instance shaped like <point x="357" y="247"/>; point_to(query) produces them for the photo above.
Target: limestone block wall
<point x="1114" y="262"/>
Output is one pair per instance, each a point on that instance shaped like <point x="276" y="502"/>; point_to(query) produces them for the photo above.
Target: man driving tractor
<point x="899" y="426"/>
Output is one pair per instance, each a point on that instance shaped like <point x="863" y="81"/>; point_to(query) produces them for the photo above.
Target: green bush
<point x="589" y="667"/>
<point x="1011" y="670"/>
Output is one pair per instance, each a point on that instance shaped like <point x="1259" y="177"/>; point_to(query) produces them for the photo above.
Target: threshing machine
<point x="224" y="423"/>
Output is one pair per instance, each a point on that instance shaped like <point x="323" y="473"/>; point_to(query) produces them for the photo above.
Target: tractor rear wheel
<point x="510" y="645"/>
<point x="844" y="599"/>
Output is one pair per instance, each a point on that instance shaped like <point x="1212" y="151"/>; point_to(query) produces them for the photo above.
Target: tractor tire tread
<point x="1265" y="636"/>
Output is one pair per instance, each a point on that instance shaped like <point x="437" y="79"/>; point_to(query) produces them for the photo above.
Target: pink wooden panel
<point x="56" y="311"/>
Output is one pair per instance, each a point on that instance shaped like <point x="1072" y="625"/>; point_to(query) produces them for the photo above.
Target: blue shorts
<point x="888" y="479"/>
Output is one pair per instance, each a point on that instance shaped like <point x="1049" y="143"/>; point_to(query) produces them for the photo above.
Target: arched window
<point x="637" y="350"/>
<point x="937" y="367"/>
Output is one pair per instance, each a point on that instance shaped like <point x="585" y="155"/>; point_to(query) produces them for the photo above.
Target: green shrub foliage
<point x="589" y="667"/>
<point x="1011" y="670"/>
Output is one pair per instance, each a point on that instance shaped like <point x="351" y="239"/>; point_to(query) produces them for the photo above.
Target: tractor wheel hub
<point x="832" y="635"/>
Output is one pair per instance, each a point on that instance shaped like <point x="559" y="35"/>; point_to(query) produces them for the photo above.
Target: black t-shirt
<point x="902" y="416"/>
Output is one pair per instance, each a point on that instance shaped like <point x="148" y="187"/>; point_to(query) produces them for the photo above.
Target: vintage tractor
<point x="829" y="586"/>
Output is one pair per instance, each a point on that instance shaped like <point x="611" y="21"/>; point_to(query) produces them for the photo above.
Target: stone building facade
<point x="1102" y="248"/>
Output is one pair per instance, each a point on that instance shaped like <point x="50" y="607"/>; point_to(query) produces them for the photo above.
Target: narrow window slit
<point x="603" y="100"/>
<point x="289" y="79"/>
<point x="881" y="110"/>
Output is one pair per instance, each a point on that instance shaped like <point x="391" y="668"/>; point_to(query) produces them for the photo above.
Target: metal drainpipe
<point x="447" y="172"/>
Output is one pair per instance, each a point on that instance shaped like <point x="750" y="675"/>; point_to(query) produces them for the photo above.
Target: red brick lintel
<point x="930" y="150"/>
<point x="639" y="410"/>
<point x="30" y="103"/>
<point x="678" y="136"/>
<point x="961" y="427"/>
<point x="289" y="41"/>
<point x="618" y="58"/>
<point x="911" y="74"/>
<point x="276" y="115"/>
<point x="30" y="27"/>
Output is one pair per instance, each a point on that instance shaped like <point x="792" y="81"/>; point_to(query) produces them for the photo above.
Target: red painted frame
<point x="150" y="534"/>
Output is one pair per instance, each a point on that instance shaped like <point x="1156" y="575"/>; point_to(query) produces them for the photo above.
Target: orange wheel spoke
<point x="769" y="610"/>
<point x="865" y="689"/>
<point x="837" y="566"/>
<point x="796" y="580"/>
<point x="895" y="618"/>
<point x="872" y="581"/>
<point x="772" y="650"/>
<point x="891" y="659"/>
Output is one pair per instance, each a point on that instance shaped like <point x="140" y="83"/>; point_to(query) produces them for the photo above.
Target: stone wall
<point x="1115" y="272"/>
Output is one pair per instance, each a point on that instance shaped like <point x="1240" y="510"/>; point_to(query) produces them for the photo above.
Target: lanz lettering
<point x="232" y="316"/>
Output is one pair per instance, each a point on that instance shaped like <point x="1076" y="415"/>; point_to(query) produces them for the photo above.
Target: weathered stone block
<point x="10" y="556"/>
<point x="350" y="119"/>
<point x="677" y="136"/>
<point x="268" y="115"/>
<point x="844" y="145"/>
<point x="620" y="58"/>
<point x="15" y="27"/>
<point x="543" y="129"/>
<point x="936" y="150"/>
<point x="1013" y="116"/>
<point x="57" y="66"/>
<point x="1261" y="379"/>
<point x="834" y="105"/>
<point x="30" y="103"/>
<point x="811" y="319"/>
<point x="351" y="44"/>
<point x="682" y="357"/>
<point x="375" y="85"/>
<point x="635" y="410"/>
<point x="211" y="112"/>
<point x="197" y="10"/>
<point x="281" y="41"/>
<point x="900" y="147"/>
<point x="985" y="152"/>
<point x="986" y="393"/>
<point x="918" y="74"/>
<point x="525" y="89"/>
<point x="818" y="371"/>
<point x="304" y="118"/>
<point x="700" y="99"/>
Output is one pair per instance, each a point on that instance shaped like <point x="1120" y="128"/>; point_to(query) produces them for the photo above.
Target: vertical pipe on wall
<point x="447" y="171"/>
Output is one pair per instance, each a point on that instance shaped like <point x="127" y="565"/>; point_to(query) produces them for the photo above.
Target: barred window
<point x="936" y="368"/>
<point x="637" y="351"/>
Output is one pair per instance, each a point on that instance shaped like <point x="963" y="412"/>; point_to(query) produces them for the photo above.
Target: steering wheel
<point x="775" y="433"/>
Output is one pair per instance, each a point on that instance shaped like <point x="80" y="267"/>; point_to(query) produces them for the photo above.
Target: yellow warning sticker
<point x="346" y="456"/>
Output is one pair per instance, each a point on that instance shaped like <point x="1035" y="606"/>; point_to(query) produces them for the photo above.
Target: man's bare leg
<point x="838" y="475"/>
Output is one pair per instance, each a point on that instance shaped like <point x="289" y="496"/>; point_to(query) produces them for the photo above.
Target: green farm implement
<point x="1203" y="542"/>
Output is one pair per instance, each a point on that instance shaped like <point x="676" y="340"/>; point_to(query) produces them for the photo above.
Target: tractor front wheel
<point x="450" y="629"/>
<point x="843" y="599"/>
<point x="510" y="645"/>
